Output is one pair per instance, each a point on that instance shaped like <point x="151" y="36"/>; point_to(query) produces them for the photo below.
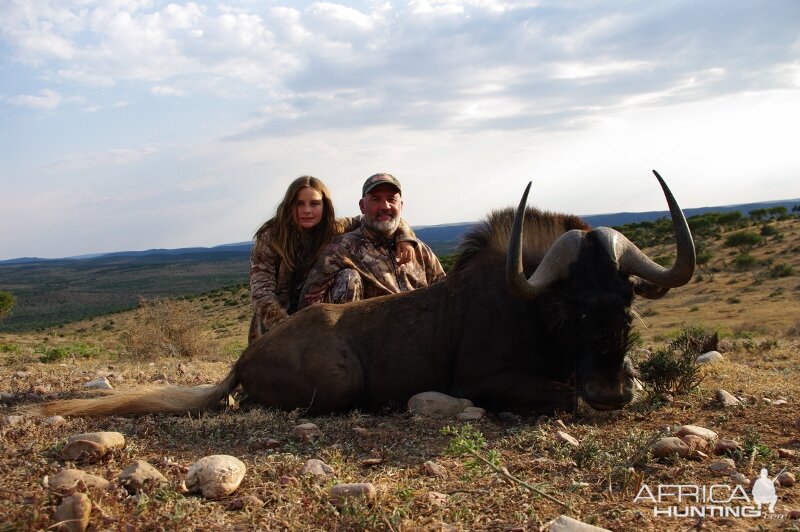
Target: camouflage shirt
<point x="271" y="282"/>
<point x="373" y="258"/>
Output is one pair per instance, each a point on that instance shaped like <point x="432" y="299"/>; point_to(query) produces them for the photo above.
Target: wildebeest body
<point x="535" y="313"/>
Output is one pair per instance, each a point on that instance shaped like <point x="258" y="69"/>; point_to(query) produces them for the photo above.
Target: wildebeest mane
<point x="490" y="236"/>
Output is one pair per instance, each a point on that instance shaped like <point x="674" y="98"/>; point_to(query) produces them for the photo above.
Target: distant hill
<point x="54" y="291"/>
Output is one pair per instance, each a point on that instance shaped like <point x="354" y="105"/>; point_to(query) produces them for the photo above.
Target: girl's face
<point x="308" y="208"/>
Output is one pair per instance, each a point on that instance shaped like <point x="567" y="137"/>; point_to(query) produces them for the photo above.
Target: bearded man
<point x="362" y="264"/>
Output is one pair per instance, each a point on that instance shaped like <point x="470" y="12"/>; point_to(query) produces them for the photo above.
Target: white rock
<point x="307" y="432"/>
<point x="341" y="494"/>
<point x="436" y="404"/>
<point x="111" y="440"/>
<point x="13" y="421"/>
<point x="778" y="402"/>
<point x="471" y="413"/>
<point x="74" y="512"/>
<point x="215" y="476"/>
<point x="563" y="437"/>
<point x="726" y="445"/>
<point x="712" y="357"/>
<point x="432" y="469"/>
<point x="68" y="480"/>
<point x="726" y="398"/>
<point x="100" y="383"/>
<point x="317" y="468"/>
<point x="55" y="421"/>
<point x="726" y="464"/>
<point x="669" y="446"/>
<point x="706" y="434"/>
<point x="740" y="479"/>
<point x="567" y="524"/>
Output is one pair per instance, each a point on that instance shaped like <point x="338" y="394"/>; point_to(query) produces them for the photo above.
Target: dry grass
<point x="759" y="341"/>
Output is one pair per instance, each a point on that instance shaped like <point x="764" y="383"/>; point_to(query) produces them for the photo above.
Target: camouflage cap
<point x="380" y="179"/>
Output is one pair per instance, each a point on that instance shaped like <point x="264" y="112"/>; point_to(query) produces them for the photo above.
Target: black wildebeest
<point x="535" y="312"/>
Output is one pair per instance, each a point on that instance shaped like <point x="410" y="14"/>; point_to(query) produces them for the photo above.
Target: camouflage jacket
<point x="373" y="258"/>
<point x="270" y="282"/>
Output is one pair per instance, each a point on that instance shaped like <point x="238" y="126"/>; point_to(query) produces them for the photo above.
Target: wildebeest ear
<point x="647" y="289"/>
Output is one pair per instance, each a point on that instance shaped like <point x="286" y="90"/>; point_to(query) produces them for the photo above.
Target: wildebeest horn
<point x="633" y="261"/>
<point x="554" y="265"/>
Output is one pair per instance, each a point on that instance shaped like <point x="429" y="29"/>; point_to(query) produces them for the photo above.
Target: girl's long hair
<point x="295" y="247"/>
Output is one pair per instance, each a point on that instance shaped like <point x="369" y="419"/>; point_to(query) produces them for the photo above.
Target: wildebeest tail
<point x="142" y="400"/>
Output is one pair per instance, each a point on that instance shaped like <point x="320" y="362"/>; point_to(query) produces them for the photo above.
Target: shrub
<point x="768" y="230"/>
<point x="7" y="302"/>
<point x="744" y="240"/>
<point x="65" y="352"/>
<point x="167" y="328"/>
<point x="781" y="270"/>
<point x="672" y="369"/>
<point x="744" y="261"/>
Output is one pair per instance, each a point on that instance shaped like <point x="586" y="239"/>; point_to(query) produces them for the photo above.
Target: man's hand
<point x="404" y="252"/>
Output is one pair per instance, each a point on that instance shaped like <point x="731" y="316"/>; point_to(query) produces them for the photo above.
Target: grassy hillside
<point x="52" y="293"/>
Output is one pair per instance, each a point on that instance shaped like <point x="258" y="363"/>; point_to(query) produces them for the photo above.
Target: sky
<point x="137" y="124"/>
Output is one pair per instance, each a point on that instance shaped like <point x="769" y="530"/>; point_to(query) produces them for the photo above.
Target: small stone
<point x="669" y="446"/>
<point x="341" y="494"/>
<point x="726" y="464"/>
<point x="471" y="413"/>
<point x="55" y="421"/>
<point x="83" y="451"/>
<point x="286" y="480"/>
<point x="785" y="480"/>
<point x="370" y="462"/>
<point x="73" y="513"/>
<point x="307" y="432"/>
<point x="695" y="443"/>
<point x="6" y="397"/>
<point x="248" y="501"/>
<point x="432" y="469"/>
<point x="13" y="421"/>
<point x="68" y="480"/>
<point x="432" y="498"/>
<point x="42" y="389"/>
<point x="740" y="479"/>
<point x="794" y="514"/>
<point x="111" y="440"/>
<point x="567" y="524"/>
<point x="265" y="444"/>
<point x="695" y="430"/>
<point x="725" y="445"/>
<point x="436" y="404"/>
<point x="361" y="432"/>
<point x="712" y="357"/>
<point x="183" y="369"/>
<point x="786" y="453"/>
<point x="139" y="476"/>
<point x="726" y="398"/>
<point x="215" y="476"/>
<point x="779" y="402"/>
<point x="317" y="468"/>
<point x="563" y="437"/>
<point x="100" y="383"/>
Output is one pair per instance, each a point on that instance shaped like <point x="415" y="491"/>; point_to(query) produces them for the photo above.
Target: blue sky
<point x="134" y="124"/>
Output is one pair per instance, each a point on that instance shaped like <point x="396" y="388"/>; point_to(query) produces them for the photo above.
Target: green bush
<point x="672" y="369"/>
<point x="65" y="352"/>
<point x="744" y="240"/>
<point x="7" y="302"/>
<point x="781" y="270"/>
<point x="744" y="261"/>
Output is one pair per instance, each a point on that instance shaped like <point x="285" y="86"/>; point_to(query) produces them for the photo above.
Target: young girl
<point x="287" y="245"/>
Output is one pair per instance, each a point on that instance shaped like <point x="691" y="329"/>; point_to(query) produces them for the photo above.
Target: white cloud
<point x="46" y="100"/>
<point x="113" y="157"/>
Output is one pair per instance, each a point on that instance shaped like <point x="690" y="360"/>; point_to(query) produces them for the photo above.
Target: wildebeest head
<point x="585" y="285"/>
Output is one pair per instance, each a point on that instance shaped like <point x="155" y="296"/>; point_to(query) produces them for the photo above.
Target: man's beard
<point x="386" y="228"/>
